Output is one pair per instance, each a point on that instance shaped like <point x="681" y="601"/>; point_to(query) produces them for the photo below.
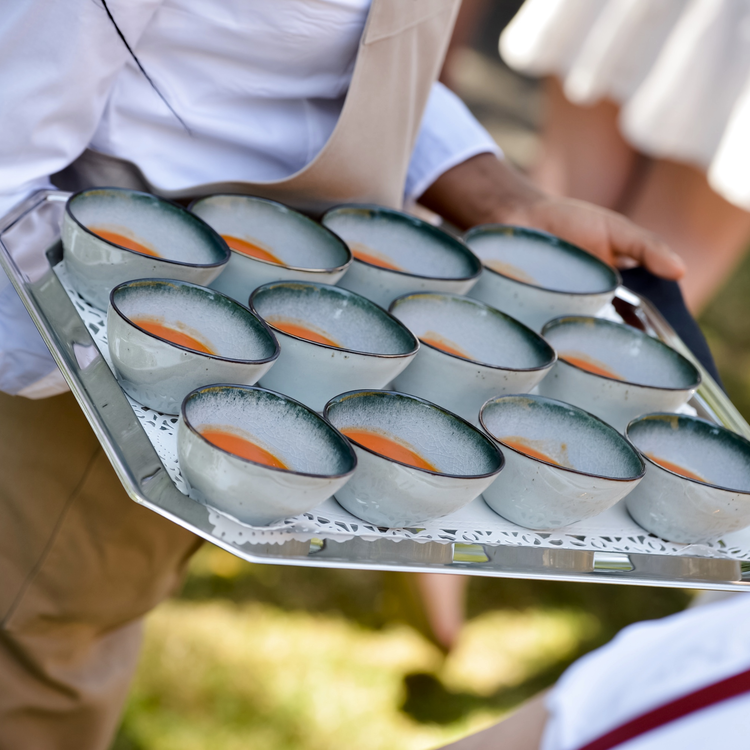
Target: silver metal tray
<point x="474" y="541"/>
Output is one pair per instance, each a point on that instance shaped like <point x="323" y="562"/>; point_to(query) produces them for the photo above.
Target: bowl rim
<point x="177" y="282"/>
<point x="494" y="311"/>
<point x="281" y="396"/>
<point x="416" y="222"/>
<point x="278" y="204"/>
<point x="371" y="391"/>
<point x="536" y="397"/>
<point x="688" y="418"/>
<point x="560" y="320"/>
<point x="344" y="293"/>
<point x="540" y="234"/>
<point x="172" y="205"/>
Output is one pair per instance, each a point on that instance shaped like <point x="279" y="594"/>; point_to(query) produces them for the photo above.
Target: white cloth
<point x="650" y="664"/>
<point x="259" y="84"/>
<point x="680" y="69"/>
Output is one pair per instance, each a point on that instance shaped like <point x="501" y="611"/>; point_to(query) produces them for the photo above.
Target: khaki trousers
<point x="80" y="564"/>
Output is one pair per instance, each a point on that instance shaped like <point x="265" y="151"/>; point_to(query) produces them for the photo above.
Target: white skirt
<point x="680" y="69"/>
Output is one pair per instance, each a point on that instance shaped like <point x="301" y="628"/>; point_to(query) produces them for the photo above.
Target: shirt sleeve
<point x="648" y="665"/>
<point x="449" y="135"/>
<point x="57" y="64"/>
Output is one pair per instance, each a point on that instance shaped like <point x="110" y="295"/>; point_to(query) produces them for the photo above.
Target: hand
<point x="486" y="190"/>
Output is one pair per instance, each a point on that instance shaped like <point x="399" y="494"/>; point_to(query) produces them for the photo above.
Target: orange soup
<point x="242" y="447"/>
<point x="440" y="342"/>
<point x="676" y="468"/>
<point x="172" y="334"/>
<point x="529" y="451"/>
<point x="388" y="447"/>
<point x="251" y="249"/>
<point x="509" y="270"/>
<point x="373" y="257"/>
<point x="585" y="362"/>
<point x="303" y="331"/>
<point x="121" y="239"/>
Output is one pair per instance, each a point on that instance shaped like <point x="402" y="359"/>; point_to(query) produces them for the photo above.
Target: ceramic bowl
<point x="367" y="347"/>
<point x="468" y="352"/>
<point x="422" y="257"/>
<point x="535" y="276"/>
<point x="388" y="492"/>
<point x="634" y="373"/>
<point x="679" y="508"/>
<point x="208" y="338"/>
<point x="305" y="250"/>
<point x="188" y="249"/>
<point x="317" y="458"/>
<point x="562" y="464"/>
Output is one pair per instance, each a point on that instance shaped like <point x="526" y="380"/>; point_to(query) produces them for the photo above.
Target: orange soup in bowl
<point x="123" y="240"/>
<point x="242" y="447"/>
<point x="398" y="450"/>
<point x="253" y="249"/>
<point x="172" y="334"/>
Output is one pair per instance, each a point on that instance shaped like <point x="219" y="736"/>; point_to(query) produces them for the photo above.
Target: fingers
<point x="606" y="234"/>
<point x="632" y="245"/>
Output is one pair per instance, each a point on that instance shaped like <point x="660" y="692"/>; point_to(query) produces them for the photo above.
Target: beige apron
<point x="80" y="563"/>
<point x="367" y="155"/>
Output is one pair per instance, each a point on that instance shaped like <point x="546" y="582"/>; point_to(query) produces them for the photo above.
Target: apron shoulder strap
<point x="710" y="695"/>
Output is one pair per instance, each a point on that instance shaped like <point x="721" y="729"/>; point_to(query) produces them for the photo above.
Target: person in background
<point x="680" y="682"/>
<point x="647" y="113"/>
<point x="311" y="102"/>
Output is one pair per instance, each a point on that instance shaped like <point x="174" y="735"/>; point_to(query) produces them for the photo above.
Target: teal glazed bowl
<point x="563" y="465"/>
<point x="395" y="253"/>
<point x="535" y="276"/>
<point x="168" y="337"/>
<point x="184" y="247"/>
<point x="468" y="352"/>
<point x="697" y="483"/>
<point x="615" y="371"/>
<point x="459" y="461"/>
<point x="332" y="341"/>
<point x="312" y="459"/>
<point x="305" y="250"/>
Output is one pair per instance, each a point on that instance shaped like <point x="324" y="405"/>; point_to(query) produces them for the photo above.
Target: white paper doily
<point x="612" y="531"/>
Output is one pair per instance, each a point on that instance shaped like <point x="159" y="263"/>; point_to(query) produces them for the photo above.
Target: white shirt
<point x="650" y="664"/>
<point x="259" y="84"/>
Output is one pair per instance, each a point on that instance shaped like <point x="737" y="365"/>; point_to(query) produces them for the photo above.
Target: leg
<point x="675" y="201"/>
<point x="444" y="598"/>
<point x="582" y="152"/>
<point x="80" y="565"/>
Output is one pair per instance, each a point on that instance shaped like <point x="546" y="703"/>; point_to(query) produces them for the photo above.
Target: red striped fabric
<point x="731" y="687"/>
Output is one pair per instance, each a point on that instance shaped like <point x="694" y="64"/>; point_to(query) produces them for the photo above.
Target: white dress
<point x="680" y="69"/>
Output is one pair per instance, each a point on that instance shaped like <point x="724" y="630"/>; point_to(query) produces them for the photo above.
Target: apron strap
<point x="717" y="692"/>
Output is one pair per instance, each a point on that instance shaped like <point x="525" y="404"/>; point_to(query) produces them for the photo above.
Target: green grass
<point x="300" y="659"/>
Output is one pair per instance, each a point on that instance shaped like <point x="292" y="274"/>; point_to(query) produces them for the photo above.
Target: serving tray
<point x="141" y="445"/>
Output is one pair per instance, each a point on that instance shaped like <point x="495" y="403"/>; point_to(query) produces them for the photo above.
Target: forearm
<point x="522" y="730"/>
<point x="481" y="190"/>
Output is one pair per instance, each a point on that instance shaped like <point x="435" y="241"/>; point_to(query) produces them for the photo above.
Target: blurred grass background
<point x="252" y="656"/>
<point x="282" y="658"/>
